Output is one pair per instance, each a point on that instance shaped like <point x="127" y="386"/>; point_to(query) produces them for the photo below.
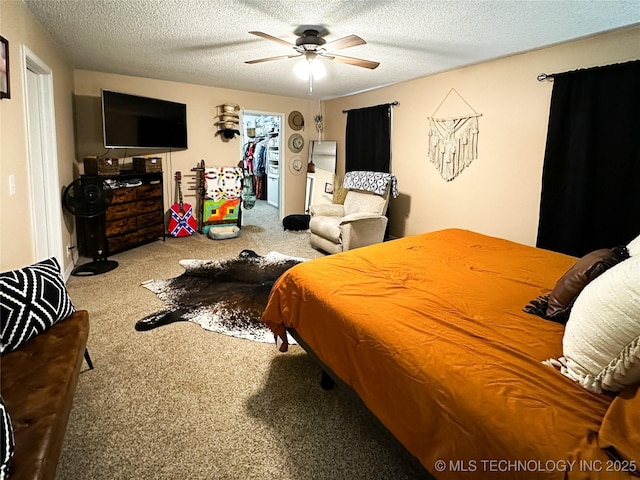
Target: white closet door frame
<point x="42" y="152"/>
<point x="281" y="164"/>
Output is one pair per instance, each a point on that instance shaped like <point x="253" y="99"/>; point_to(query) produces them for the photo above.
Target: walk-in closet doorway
<point x="262" y="152"/>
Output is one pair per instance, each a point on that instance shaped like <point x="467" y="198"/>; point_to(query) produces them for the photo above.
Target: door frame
<point x="281" y="162"/>
<point x="50" y="239"/>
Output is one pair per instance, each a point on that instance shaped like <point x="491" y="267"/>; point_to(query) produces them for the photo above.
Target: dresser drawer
<point x="120" y="226"/>
<point x="151" y="233"/>
<point x="121" y="195"/>
<point x="122" y="242"/>
<point x="148" y="191"/>
<point x="121" y="210"/>
<point x="148" y="206"/>
<point x="137" y="237"/>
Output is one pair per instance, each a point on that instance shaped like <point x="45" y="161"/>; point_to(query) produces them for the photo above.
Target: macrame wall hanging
<point x="453" y="140"/>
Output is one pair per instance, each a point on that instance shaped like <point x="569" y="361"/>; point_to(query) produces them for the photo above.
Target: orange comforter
<point x="429" y="331"/>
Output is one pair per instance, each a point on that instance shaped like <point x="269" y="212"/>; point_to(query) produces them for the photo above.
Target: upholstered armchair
<point x="360" y="221"/>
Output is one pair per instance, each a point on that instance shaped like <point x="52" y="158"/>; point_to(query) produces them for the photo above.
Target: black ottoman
<point x="296" y="222"/>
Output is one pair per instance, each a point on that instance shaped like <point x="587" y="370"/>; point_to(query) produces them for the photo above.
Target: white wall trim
<point x="49" y="156"/>
<point x="281" y="164"/>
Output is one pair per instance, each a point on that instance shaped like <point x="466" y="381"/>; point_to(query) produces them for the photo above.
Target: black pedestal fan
<point x="88" y="198"/>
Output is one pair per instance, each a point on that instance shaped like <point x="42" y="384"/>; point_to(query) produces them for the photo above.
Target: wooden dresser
<point x="134" y="217"/>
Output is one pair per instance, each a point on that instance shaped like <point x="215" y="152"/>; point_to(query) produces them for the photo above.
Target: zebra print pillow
<point x="32" y="299"/>
<point x="7" y="444"/>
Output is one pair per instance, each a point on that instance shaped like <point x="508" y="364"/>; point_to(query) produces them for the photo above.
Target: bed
<point x="430" y="332"/>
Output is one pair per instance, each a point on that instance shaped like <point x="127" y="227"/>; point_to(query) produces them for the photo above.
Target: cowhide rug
<point x="224" y="296"/>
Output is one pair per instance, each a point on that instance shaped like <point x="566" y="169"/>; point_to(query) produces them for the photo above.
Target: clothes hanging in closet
<point x="255" y="158"/>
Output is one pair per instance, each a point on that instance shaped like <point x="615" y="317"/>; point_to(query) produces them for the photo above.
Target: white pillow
<point x="634" y="246"/>
<point x="601" y="343"/>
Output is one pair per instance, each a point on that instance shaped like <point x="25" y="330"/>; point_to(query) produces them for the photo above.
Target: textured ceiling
<point x="206" y="42"/>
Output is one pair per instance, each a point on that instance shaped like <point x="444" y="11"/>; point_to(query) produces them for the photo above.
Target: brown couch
<point x="38" y="383"/>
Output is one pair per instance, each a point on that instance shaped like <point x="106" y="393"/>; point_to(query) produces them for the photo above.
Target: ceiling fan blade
<point x="272" y="38"/>
<point x="358" y="62"/>
<point x="345" y="42"/>
<point x="279" y="57"/>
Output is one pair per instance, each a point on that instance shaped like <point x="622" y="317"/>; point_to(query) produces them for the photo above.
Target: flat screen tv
<point x="131" y="121"/>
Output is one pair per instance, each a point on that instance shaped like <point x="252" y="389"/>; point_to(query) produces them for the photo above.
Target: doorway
<point x="44" y="184"/>
<point x="262" y="144"/>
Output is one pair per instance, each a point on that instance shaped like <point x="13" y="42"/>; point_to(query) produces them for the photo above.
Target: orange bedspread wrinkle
<point x="430" y="332"/>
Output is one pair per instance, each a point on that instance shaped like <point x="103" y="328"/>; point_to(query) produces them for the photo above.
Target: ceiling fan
<point x="311" y="45"/>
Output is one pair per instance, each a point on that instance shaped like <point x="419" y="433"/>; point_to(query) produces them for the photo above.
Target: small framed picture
<point x="328" y="188"/>
<point x="4" y="68"/>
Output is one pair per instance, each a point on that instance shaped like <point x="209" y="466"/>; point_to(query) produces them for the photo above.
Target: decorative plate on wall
<point x="296" y="166"/>
<point x="296" y="143"/>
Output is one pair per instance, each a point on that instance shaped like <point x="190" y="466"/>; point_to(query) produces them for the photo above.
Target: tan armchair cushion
<point x="326" y="210"/>
<point x="353" y="217"/>
<point x="327" y="227"/>
<point x="363" y="231"/>
<point x="364" y="202"/>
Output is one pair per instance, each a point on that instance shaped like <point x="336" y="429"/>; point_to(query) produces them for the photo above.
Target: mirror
<point x="320" y="172"/>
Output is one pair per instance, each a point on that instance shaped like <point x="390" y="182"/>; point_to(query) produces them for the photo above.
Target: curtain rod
<point x="549" y="76"/>
<point x="393" y="104"/>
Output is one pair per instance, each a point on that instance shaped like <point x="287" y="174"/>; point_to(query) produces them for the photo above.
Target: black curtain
<point x="368" y="139"/>
<point x="591" y="175"/>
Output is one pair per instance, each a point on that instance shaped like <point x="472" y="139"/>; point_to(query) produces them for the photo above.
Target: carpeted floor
<point x="180" y="402"/>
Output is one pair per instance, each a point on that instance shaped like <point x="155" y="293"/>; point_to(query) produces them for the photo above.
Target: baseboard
<point x="74" y="261"/>
<point x="67" y="272"/>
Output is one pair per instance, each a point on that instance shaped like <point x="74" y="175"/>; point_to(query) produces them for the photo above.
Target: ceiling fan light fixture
<point x="309" y="66"/>
<point x="310" y="45"/>
<point x="317" y="69"/>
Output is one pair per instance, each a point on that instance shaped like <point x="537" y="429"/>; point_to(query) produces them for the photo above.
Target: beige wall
<point x="20" y="28"/>
<point x="499" y="193"/>
<point x="203" y="144"/>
